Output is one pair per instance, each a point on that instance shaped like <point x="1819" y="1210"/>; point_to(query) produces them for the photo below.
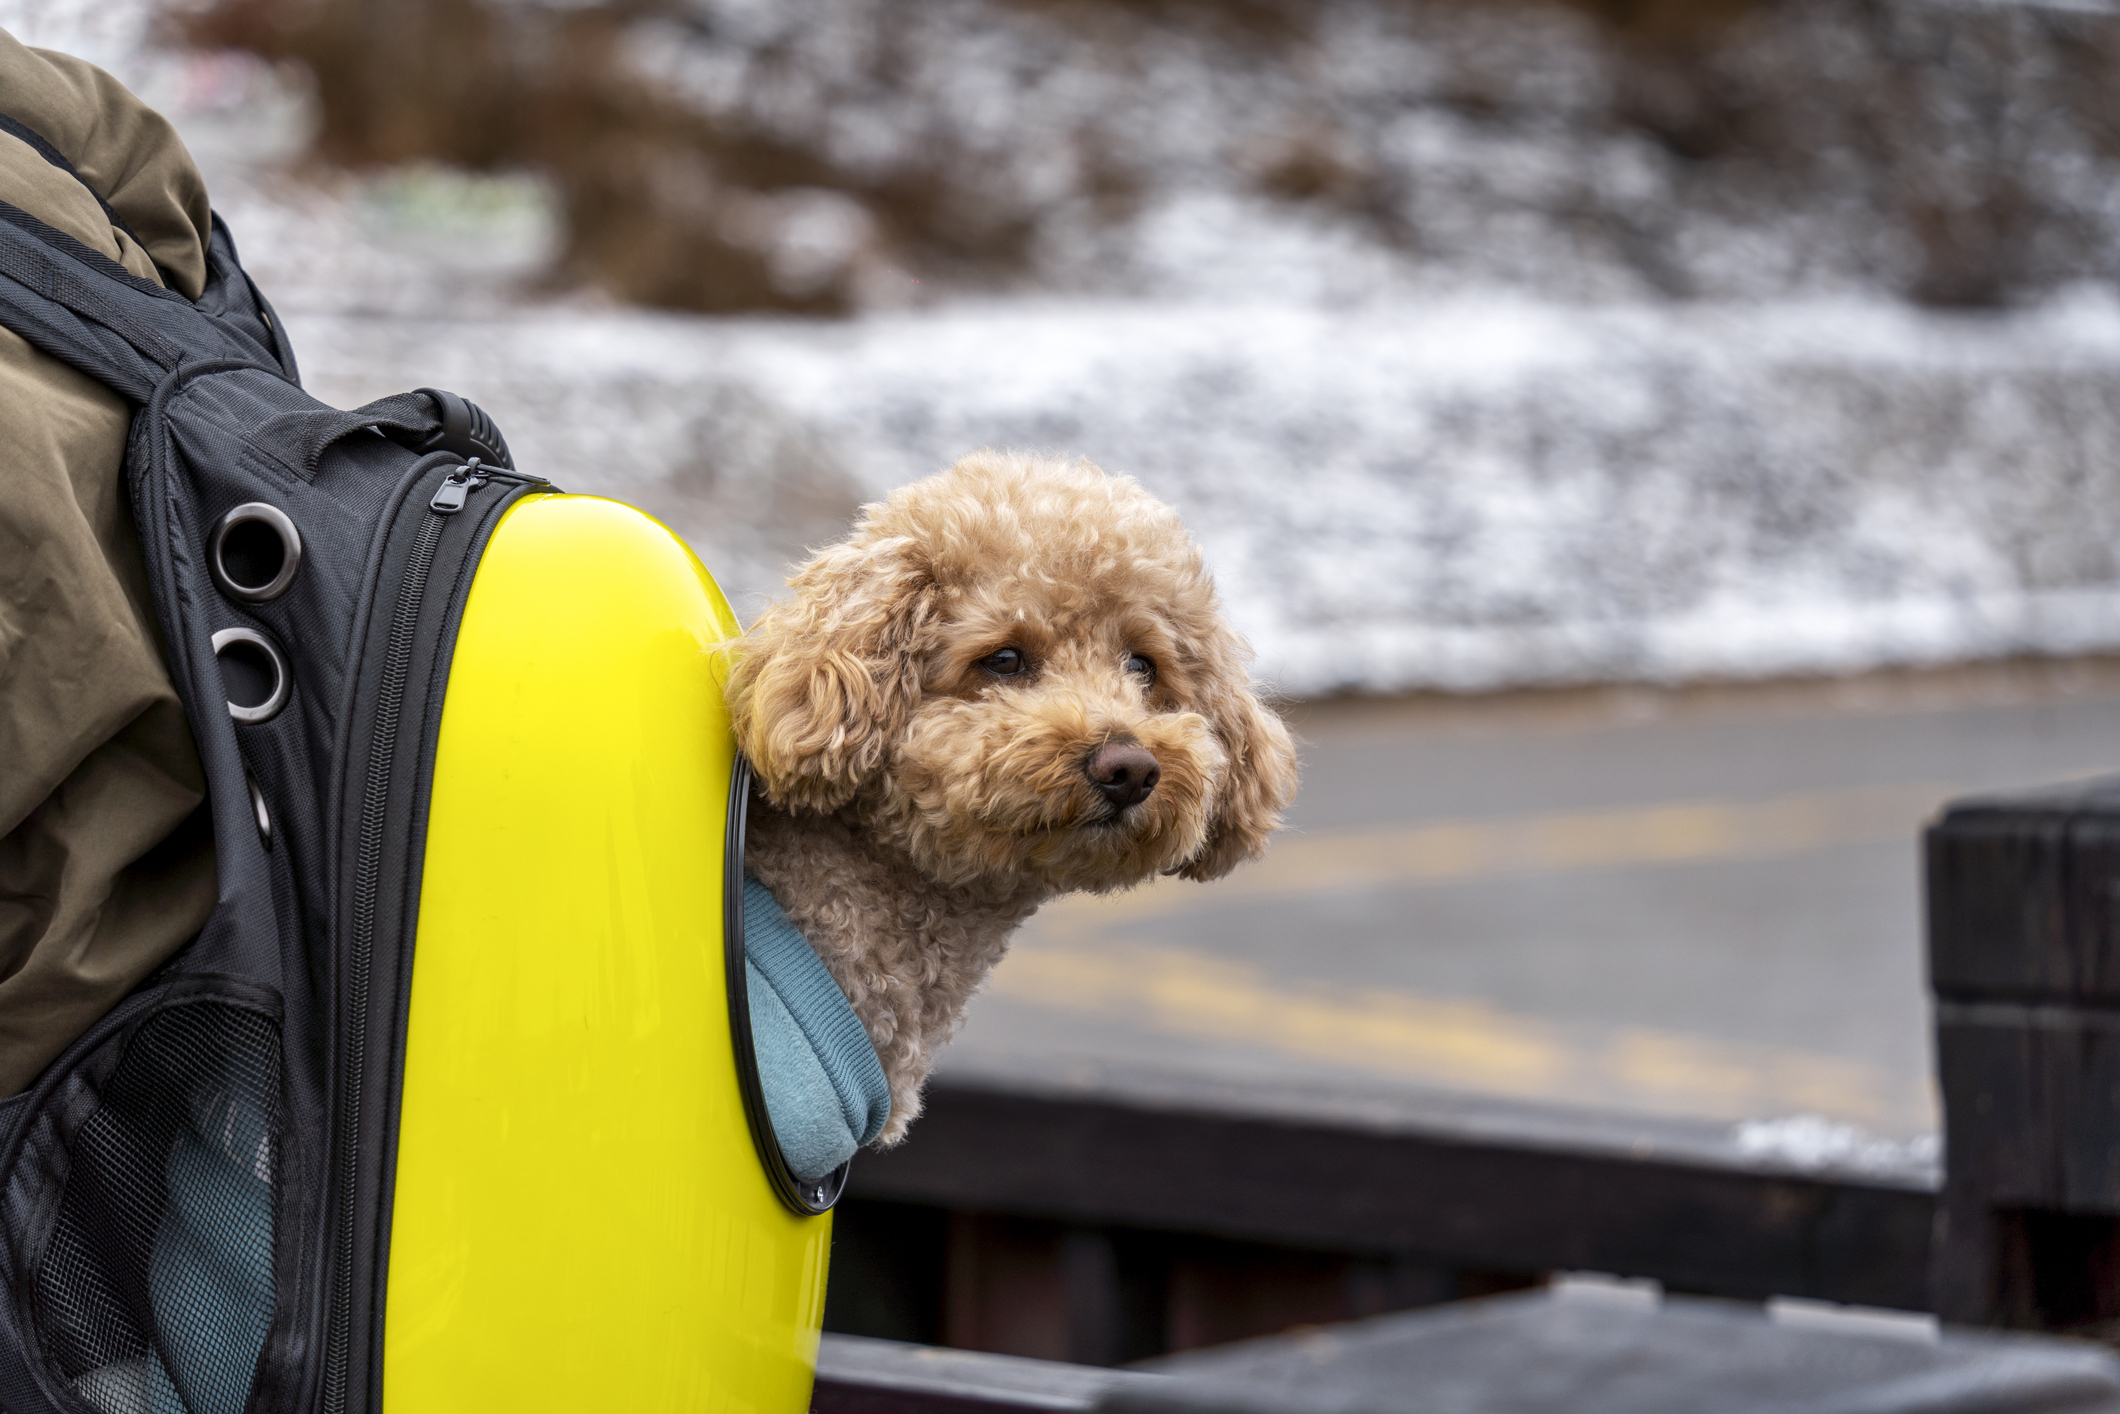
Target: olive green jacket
<point x="106" y="859"/>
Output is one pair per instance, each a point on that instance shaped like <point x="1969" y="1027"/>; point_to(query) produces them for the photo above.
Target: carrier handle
<point x="426" y="420"/>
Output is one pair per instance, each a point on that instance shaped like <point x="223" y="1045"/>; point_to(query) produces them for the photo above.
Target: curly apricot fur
<point x="915" y="807"/>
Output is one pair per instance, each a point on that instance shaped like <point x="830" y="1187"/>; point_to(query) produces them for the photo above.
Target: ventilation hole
<point x="248" y="671"/>
<point x="256" y="550"/>
<point x="257" y="808"/>
<point x="253" y="674"/>
<point x="252" y="554"/>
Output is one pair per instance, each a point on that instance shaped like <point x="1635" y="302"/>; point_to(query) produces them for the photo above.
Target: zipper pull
<point x="456" y="488"/>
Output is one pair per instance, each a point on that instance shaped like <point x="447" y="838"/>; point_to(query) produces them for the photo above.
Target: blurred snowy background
<point x="1482" y="344"/>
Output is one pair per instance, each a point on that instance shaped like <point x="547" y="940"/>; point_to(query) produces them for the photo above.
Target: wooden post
<point x="2024" y="960"/>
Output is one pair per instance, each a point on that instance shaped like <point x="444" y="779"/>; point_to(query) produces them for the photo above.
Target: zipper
<point x="456" y="488"/>
<point x="449" y="498"/>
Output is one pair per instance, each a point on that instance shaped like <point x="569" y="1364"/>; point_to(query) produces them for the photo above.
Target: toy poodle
<point x="1011" y="681"/>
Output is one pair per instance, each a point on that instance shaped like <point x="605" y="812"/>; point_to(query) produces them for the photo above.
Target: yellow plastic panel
<point x="581" y="1222"/>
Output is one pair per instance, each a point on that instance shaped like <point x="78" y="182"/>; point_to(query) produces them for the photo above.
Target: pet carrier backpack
<point x="304" y="1165"/>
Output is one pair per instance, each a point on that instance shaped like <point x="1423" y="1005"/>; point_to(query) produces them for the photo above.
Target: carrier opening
<point x="807" y="1197"/>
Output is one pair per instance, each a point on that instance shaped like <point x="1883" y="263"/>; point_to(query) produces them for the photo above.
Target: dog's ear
<point x="825" y="681"/>
<point x="1257" y="782"/>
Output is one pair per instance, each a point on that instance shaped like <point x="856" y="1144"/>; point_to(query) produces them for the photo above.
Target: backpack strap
<point x="88" y="311"/>
<point x="235" y="300"/>
<point x="65" y="300"/>
<point x="38" y="144"/>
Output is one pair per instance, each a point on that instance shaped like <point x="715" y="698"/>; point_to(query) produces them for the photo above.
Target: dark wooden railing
<point x="1103" y="1227"/>
<point x="2024" y="957"/>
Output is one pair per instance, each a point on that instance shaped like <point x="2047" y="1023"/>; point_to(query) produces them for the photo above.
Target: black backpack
<point x="239" y="1100"/>
<point x="196" y="1196"/>
<point x="274" y="1029"/>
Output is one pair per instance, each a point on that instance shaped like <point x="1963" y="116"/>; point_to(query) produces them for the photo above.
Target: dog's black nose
<point x="1126" y="773"/>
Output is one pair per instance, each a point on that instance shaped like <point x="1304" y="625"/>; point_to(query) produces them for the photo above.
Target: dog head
<point x="1017" y="671"/>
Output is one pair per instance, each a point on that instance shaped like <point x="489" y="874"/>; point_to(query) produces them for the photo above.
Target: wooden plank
<point x="2035" y="1099"/>
<point x="861" y="1376"/>
<point x="2020" y="897"/>
<point x="1584" y="1351"/>
<point x="1476" y="1201"/>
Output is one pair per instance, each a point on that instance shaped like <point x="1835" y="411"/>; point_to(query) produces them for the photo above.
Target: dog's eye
<point x="1005" y="663"/>
<point x="1143" y="667"/>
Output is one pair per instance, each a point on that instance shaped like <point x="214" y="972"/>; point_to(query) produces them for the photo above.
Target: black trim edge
<point x="806" y="1200"/>
<point x="94" y="259"/>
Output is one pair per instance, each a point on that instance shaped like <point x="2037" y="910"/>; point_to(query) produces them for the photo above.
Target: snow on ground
<point x="1463" y="490"/>
<point x="1813" y="1143"/>
<point x="1464" y="495"/>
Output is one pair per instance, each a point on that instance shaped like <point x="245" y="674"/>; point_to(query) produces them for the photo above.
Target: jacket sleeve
<point x="106" y="862"/>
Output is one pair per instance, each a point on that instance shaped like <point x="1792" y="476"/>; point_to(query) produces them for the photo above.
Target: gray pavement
<point x="1696" y="905"/>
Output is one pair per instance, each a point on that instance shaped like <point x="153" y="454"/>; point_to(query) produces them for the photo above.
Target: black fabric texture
<point x="95" y="259"/>
<point x="302" y="436"/>
<point x="230" y="292"/>
<point x="278" y="1031"/>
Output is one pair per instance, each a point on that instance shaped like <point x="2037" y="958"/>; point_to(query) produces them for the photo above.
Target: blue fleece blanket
<point x="824" y="1086"/>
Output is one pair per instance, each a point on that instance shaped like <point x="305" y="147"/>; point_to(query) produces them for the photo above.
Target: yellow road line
<point x="1453" y="851"/>
<point x="1450" y="1043"/>
<point x="1070" y="960"/>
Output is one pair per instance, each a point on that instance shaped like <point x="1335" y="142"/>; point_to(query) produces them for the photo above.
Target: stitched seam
<point x="64" y="287"/>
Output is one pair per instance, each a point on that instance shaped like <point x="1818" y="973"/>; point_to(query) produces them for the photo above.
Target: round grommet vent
<point x="255" y="552"/>
<point x="254" y="673"/>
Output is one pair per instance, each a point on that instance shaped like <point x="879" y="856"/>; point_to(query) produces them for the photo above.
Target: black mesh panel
<point x="156" y="1289"/>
